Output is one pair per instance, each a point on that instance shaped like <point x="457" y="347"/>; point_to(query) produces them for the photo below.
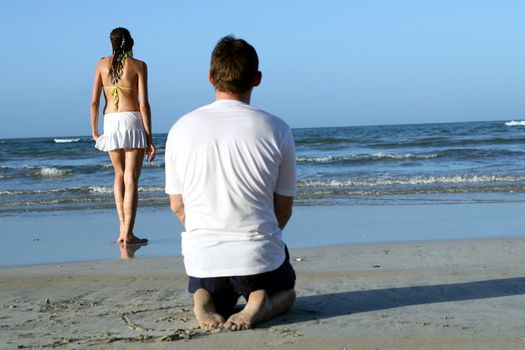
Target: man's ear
<point x="258" y="78"/>
<point x="210" y="77"/>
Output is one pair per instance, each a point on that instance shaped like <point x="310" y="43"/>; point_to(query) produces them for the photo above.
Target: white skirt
<point x="122" y="130"/>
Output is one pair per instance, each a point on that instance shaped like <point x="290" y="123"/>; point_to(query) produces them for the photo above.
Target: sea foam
<point x="52" y="172"/>
<point x="107" y="189"/>
<point x="101" y="189"/>
<point x="367" y="157"/>
<point x="416" y="180"/>
<point x="66" y="140"/>
<point x="516" y="123"/>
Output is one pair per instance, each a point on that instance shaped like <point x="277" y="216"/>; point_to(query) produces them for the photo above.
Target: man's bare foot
<point x="256" y="310"/>
<point x="260" y="308"/>
<point x="131" y="239"/>
<point x="208" y="320"/>
<point x="205" y="313"/>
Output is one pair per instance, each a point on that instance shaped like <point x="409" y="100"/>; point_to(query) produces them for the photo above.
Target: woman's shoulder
<point x="104" y="61"/>
<point x="135" y="61"/>
<point x="137" y="65"/>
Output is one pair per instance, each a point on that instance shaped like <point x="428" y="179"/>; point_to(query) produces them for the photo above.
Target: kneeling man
<point x="230" y="176"/>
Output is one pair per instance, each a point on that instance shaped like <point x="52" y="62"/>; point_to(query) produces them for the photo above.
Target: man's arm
<point x="177" y="206"/>
<point x="282" y="206"/>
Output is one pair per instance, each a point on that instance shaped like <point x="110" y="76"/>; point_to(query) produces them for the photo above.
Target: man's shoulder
<point x="209" y="115"/>
<point x="188" y="117"/>
<point x="196" y="112"/>
<point x="271" y="119"/>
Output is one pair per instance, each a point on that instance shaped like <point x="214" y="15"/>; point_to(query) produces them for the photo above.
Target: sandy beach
<point x="414" y="295"/>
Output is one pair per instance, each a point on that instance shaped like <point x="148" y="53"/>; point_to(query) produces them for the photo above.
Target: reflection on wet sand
<point x="127" y="251"/>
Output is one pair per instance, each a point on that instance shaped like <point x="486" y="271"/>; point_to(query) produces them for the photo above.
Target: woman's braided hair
<point x="122" y="44"/>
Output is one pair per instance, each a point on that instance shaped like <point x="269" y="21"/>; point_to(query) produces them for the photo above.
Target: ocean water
<point x="476" y="162"/>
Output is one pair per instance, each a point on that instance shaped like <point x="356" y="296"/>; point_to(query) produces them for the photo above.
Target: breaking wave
<point x="416" y="180"/>
<point x="516" y="123"/>
<point x="366" y="157"/>
<point x="66" y="140"/>
<point x="50" y="172"/>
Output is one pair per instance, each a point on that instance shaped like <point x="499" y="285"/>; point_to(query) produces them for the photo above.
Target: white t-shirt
<point x="227" y="159"/>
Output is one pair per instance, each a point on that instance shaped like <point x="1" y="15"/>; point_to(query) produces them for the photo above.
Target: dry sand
<point x="422" y="295"/>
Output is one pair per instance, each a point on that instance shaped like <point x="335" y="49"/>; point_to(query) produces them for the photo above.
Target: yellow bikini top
<point x="115" y="90"/>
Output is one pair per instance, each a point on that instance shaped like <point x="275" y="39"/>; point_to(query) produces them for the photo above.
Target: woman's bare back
<point x="124" y="95"/>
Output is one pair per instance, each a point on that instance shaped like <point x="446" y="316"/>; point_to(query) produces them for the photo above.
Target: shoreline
<point x="62" y="237"/>
<point x="87" y="236"/>
<point x="178" y="259"/>
<point x="465" y="294"/>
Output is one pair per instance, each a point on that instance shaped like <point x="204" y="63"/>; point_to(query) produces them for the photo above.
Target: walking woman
<point x="127" y="125"/>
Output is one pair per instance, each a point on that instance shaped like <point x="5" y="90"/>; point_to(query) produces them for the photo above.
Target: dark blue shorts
<point x="226" y="291"/>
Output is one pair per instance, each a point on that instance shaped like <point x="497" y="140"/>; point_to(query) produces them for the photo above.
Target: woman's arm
<point x="145" y="109"/>
<point x="95" y="103"/>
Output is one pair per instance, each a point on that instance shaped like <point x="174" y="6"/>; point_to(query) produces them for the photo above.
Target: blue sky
<point x="324" y="63"/>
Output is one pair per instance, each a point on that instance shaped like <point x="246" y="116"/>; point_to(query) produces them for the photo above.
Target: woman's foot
<point x="131" y="239"/>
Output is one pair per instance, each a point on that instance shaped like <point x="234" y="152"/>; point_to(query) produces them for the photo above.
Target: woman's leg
<point x="132" y="169"/>
<point x="117" y="159"/>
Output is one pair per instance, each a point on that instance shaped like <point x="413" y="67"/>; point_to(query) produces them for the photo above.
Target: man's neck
<point x="245" y="97"/>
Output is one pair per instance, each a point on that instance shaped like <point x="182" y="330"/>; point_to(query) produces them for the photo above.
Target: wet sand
<point x="76" y="236"/>
<point x="419" y="295"/>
